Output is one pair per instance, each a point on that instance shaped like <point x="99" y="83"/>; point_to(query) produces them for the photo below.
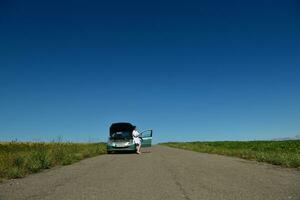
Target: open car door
<point x="146" y="138"/>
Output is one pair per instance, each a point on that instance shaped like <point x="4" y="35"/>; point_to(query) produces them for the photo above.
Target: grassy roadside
<point x="284" y="153"/>
<point x="20" y="158"/>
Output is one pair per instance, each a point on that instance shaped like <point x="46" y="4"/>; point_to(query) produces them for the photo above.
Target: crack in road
<point x="175" y="179"/>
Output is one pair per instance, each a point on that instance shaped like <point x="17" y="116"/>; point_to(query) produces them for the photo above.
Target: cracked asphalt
<point x="161" y="173"/>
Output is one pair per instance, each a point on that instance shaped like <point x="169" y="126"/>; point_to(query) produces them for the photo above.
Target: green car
<point x="121" y="139"/>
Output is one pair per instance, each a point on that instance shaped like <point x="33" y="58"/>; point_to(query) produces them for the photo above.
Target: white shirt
<point x="136" y="139"/>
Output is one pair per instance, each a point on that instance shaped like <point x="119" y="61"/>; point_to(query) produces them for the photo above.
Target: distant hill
<point x="297" y="137"/>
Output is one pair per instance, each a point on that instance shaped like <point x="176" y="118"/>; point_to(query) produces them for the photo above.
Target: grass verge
<point x="283" y="153"/>
<point x="18" y="159"/>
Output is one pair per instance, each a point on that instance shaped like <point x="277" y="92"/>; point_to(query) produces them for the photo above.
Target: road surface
<point x="162" y="174"/>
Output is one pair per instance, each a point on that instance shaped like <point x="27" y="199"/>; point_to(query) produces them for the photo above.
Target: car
<point x="121" y="139"/>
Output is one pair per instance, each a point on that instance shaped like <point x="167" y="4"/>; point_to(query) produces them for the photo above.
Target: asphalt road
<point x="162" y="174"/>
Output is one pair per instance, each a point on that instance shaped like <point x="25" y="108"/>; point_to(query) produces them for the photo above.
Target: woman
<point x="136" y="140"/>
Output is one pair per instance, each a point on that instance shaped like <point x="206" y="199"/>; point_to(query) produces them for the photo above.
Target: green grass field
<point x="284" y="153"/>
<point x="20" y="158"/>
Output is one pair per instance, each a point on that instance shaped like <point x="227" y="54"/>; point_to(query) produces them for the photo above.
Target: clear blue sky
<point x="190" y="70"/>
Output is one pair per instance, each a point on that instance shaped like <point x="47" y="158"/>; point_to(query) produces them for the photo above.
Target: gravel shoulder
<point x="161" y="173"/>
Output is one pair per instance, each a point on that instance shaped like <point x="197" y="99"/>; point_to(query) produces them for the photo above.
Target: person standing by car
<point x="136" y="140"/>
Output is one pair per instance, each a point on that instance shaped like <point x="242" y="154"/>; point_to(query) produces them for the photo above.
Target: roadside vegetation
<point x="284" y="153"/>
<point x="20" y="158"/>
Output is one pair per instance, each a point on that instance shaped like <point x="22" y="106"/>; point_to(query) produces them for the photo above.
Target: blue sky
<point x="190" y="70"/>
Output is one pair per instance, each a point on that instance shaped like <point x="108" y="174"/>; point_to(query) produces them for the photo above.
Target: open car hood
<point x="121" y="126"/>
